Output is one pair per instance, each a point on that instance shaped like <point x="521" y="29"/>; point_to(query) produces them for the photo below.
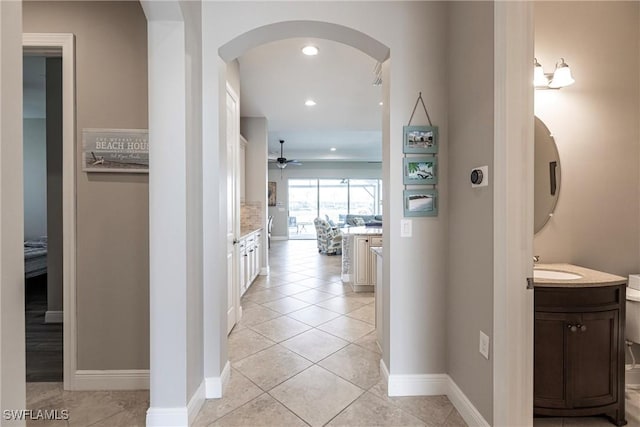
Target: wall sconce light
<point x="561" y="77"/>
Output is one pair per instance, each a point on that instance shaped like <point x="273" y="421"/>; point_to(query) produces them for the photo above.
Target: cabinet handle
<point x="583" y="328"/>
<point x="573" y="328"/>
<point x="367" y="240"/>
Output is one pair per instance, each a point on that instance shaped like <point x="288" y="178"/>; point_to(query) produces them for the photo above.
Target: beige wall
<point x="469" y="302"/>
<point x="112" y="209"/>
<point x="595" y="125"/>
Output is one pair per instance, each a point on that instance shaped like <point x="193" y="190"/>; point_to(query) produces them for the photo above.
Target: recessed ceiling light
<point x="381" y="103"/>
<point x="309" y="102"/>
<point x="332" y="149"/>
<point x="310" y="50"/>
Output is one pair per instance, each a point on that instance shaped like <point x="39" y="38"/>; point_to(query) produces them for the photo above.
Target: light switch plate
<point x="485" y="176"/>
<point x="484" y="345"/>
<point x="406" y="228"/>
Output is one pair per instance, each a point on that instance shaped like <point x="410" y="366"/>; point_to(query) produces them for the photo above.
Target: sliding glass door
<point x="303" y="208"/>
<point x="331" y="199"/>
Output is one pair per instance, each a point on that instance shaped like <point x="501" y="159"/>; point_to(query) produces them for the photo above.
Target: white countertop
<point x="360" y="231"/>
<point x="589" y="278"/>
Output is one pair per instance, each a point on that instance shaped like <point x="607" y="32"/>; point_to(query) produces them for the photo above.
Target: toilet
<point x="633" y="309"/>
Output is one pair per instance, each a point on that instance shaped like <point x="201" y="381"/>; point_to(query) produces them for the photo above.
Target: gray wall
<point x="469" y="302"/>
<point x="596" y="223"/>
<point x="326" y="170"/>
<point x="195" y="327"/>
<point x="112" y="209"/>
<point x="35" y="178"/>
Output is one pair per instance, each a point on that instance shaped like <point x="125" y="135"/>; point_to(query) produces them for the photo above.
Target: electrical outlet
<point x="484" y="345"/>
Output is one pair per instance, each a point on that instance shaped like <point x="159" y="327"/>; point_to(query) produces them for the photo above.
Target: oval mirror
<point x="547" y="175"/>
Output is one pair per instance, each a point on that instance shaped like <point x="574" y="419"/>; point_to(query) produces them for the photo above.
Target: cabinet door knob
<point x="583" y="328"/>
<point x="573" y="328"/>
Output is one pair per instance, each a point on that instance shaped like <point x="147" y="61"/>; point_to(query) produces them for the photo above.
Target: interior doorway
<point x="57" y="53"/>
<point x="42" y="154"/>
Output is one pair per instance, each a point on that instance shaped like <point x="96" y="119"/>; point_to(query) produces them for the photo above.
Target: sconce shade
<point x="562" y="76"/>
<point x="539" y="79"/>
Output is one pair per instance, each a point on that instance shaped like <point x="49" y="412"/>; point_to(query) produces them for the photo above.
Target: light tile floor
<point x="304" y="353"/>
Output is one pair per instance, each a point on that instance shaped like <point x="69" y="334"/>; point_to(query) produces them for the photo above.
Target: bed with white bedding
<point x="35" y="257"/>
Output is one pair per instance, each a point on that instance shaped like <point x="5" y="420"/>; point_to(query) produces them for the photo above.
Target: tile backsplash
<point x="251" y="215"/>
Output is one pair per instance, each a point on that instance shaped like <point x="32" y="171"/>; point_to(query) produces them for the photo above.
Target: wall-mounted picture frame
<point x="420" y="170"/>
<point x="115" y="150"/>
<point x="420" y="139"/>
<point x="271" y="194"/>
<point x="420" y="203"/>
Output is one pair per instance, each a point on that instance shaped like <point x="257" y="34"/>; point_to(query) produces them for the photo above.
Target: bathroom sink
<point x="554" y="275"/>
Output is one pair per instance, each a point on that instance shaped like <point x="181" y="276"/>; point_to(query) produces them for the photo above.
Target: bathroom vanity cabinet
<point x="579" y="350"/>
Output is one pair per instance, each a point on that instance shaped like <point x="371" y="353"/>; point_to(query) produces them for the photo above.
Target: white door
<point x="233" y="137"/>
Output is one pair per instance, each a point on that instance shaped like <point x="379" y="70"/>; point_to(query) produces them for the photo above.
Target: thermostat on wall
<point x="480" y="176"/>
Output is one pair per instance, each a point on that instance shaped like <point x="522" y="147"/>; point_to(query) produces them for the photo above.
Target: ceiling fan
<point x="282" y="162"/>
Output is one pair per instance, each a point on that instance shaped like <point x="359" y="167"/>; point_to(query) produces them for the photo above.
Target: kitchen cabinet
<point x="250" y="246"/>
<point x="362" y="261"/>
<point x="579" y="351"/>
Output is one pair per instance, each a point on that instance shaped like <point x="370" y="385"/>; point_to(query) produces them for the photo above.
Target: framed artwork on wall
<point x="420" y="170"/>
<point x="420" y="203"/>
<point x="420" y="140"/>
<point x="115" y="150"/>
<point x="271" y="195"/>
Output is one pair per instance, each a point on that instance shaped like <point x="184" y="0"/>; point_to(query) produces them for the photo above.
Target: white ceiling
<point x="276" y="79"/>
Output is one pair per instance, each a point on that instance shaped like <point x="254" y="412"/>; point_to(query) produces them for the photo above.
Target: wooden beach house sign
<point x="115" y="150"/>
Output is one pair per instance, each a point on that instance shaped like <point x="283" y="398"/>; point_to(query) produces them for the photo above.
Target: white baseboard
<point x="433" y="385"/>
<point x="216" y="385"/>
<point x="469" y="413"/>
<point x="632" y="377"/>
<point x="126" y="379"/>
<point x="167" y="417"/>
<point x="279" y="238"/>
<point x="196" y="402"/>
<point x="264" y="271"/>
<point x="418" y="385"/>
<point x="53" y="316"/>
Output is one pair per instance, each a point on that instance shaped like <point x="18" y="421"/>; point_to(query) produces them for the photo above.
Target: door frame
<point x="63" y="44"/>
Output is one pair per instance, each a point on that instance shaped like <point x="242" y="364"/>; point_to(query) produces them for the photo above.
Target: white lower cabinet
<point x="250" y="258"/>
<point x="365" y="263"/>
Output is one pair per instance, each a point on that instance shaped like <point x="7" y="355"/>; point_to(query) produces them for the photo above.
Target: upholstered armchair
<point x="329" y="238"/>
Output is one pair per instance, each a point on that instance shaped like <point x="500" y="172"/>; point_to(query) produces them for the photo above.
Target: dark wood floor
<point x="44" y="341"/>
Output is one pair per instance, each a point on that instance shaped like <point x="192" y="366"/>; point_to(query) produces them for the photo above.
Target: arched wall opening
<point x="261" y="35"/>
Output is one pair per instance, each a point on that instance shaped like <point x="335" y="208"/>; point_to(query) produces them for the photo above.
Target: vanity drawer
<point x="578" y="299"/>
